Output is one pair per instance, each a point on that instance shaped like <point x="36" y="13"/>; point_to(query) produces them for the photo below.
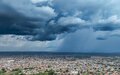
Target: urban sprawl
<point x="59" y="65"/>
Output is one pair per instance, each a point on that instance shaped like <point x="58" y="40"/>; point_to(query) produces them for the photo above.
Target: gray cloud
<point x="45" y="20"/>
<point x="109" y="24"/>
<point x="82" y="25"/>
<point x="100" y="16"/>
<point x="27" y="19"/>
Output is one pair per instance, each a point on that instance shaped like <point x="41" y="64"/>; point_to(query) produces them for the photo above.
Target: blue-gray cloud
<point x="45" y="19"/>
<point x="28" y="19"/>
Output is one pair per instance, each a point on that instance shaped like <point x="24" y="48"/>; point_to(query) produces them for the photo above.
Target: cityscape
<point x="59" y="65"/>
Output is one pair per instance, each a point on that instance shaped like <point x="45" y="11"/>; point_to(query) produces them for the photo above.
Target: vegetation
<point x="16" y="72"/>
<point x="2" y="71"/>
<point x="50" y="72"/>
<point x="19" y="72"/>
<point x="13" y="72"/>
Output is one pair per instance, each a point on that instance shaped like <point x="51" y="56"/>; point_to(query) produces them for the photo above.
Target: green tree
<point x="2" y="71"/>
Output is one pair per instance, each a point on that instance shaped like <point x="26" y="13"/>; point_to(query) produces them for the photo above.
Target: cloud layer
<point x="44" y="20"/>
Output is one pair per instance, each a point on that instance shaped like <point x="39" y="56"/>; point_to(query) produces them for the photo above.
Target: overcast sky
<point x="60" y="25"/>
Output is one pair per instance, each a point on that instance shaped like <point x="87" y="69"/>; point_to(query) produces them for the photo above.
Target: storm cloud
<point x="60" y="25"/>
<point x="26" y="18"/>
<point x="44" y="20"/>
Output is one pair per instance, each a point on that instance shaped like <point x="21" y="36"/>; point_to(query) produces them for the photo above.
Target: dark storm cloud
<point x="16" y="23"/>
<point x="100" y="16"/>
<point x="13" y="22"/>
<point x="44" y="20"/>
<point x="77" y="25"/>
<point x="106" y="27"/>
<point x="110" y="24"/>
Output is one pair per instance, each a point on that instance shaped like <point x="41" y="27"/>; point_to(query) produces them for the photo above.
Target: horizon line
<point x="60" y="52"/>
